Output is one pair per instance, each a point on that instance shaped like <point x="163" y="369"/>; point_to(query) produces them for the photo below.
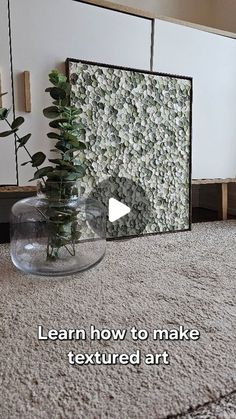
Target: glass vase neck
<point x="58" y="190"/>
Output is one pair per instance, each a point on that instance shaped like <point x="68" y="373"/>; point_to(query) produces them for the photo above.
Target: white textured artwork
<point x="138" y="137"/>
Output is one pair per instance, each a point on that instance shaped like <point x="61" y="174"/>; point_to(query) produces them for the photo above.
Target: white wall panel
<point x="211" y="61"/>
<point x="7" y="145"/>
<point x="45" y="33"/>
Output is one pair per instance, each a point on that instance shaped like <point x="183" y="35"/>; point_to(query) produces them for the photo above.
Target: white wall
<point x="7" y="145"/>
<point x="211" y="61"/>
<point x="45" y="33"/>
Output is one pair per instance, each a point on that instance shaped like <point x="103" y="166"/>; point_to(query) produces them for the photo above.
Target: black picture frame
<point x="135" y="70"/>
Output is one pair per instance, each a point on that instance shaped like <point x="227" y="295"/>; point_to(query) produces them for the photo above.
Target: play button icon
<point x="126" y="204"/>
<point x="117" y="210"/>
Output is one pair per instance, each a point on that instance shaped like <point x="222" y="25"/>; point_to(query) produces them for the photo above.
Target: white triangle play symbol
<point x="117" y="210"/>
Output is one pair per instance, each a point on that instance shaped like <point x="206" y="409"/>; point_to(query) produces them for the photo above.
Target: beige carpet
<point x="154" y="282"/>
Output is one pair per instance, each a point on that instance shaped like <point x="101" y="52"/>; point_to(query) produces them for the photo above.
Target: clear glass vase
<point x="57" y="232"/>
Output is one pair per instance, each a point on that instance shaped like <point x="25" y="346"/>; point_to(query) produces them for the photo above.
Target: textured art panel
<point x="138" y="137"/>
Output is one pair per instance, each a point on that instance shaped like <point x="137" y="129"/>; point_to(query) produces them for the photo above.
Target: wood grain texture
<point x="151" y="15"/>
<point x="27" y="91"/>
<point x="212" y="181"/>
<point x="223" y="201"/>
<point x="120" y="8"/>
<point x="17" y="189"/>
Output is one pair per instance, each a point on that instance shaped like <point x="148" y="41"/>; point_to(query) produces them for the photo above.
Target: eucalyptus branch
<point x="17" y="136"/>
<point x="67" y="135"/>
<point x="36" y="159"/>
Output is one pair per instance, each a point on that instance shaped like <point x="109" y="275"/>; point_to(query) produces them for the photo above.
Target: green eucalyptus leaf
<point x="77" y="144"/>
<point x="48" y="89"/>
<point x="6" y="133"/>
<point x="60" y="162"/>
<point x="22" y="141"/>
<point x="80" y="170"/>
<point x="25" y="163"/>
<point x="38" y="159"/>
<point x="54" y="135"/>
<point x="62" y="78"/>
<point x="17" y="122"/>
<point x="64" y="102"/>
<point x="67" y="127"/>
<point x="54" y="150"/>
<point x="51" y="112"/>
<point x="68" y="136"/>
<point x="60" y="145"/>
<point x="72" y="176"/>
<point x="56" y="78"/>
<point x="58" y="174"/>
<point x="4" y="113"/>
<point x="64" y="85"/>
<point x="54" y="161"/>
<point x="44" y="171"/>
<point x="57" y="93"/>
<point x="70" y="151"/>
<point x="56" y="123"/>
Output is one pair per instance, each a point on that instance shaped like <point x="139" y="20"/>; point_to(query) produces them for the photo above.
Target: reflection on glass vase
<point x="57" y="233"/>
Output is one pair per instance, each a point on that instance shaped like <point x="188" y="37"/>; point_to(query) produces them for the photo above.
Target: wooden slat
<point x="212" y="181"/>
<point x="120" y="8"/>
<point x="27" y="91"/>
<point x="152" y="15"/>
<point x="203" y="28"/>
<point x="4" y="189"/>
<point x="223" y="201"/>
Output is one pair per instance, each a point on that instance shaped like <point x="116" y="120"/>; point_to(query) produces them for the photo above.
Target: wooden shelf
<point x="212" y="181"/>
<point x="16" y="192"/>
<point x="152" y="15"/>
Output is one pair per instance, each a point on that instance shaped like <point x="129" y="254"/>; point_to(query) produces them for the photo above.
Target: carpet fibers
<point x="155" y="282"/>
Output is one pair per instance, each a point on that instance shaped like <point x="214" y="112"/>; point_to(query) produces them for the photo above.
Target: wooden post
<point x="27" y="91"/>
<point x="223" y="201"/>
